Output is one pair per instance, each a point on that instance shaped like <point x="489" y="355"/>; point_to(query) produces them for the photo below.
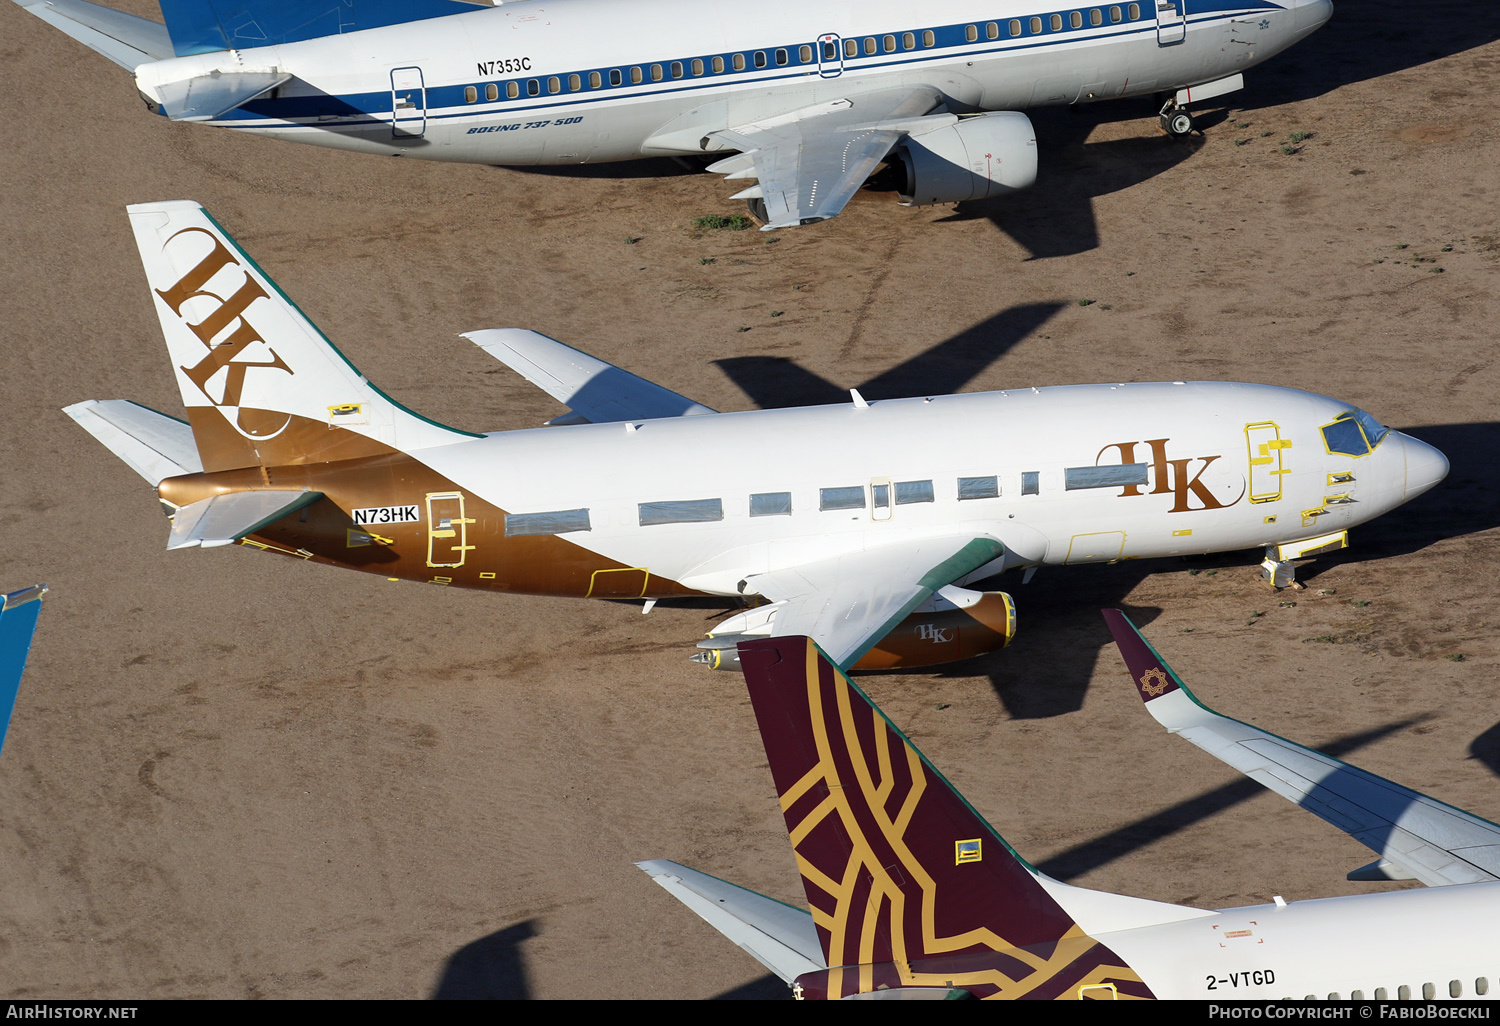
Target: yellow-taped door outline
<point x="1099" y="547"/>
<point x="1264" y="445"/>
<point x="447" y="529"/>
<point x="618" y="587"/>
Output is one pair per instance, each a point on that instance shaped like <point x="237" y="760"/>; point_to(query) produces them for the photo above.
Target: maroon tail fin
<point x="908" y="885"/>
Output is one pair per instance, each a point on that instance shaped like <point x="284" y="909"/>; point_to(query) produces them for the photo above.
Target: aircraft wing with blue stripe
<point x="1416" y="837"/>
<point x="18" y="615"/>
<point x="812" y="161"/>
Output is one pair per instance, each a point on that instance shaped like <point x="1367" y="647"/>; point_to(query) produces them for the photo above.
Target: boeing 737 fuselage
<point x="812" y="94"/>
<point x="856" y="523"/>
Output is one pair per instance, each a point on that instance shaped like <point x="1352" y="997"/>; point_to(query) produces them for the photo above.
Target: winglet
<point x="18" y="615"/>
<point x="1153" y="677"/>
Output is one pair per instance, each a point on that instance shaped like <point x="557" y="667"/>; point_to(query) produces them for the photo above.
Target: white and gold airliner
<point x="858" y="525"/>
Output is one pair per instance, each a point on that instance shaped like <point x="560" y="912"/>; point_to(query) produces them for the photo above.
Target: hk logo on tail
<point x="229" y="354"/>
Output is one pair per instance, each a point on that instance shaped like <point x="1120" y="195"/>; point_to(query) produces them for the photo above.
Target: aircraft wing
<point x="123" y="38"/>
<point x="810" y="162"/>
<point x="848" y="603"/>
<point x="18" y="613"/>
<point x="225" y="519"/>
<point x="1416" y="837"/>
<point x="596" y="392"/>
<point x="778" y="936"/>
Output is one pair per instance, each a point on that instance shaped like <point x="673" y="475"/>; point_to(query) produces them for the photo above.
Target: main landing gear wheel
<point x="1177" y="123"/>
<point x="758" y="210"/>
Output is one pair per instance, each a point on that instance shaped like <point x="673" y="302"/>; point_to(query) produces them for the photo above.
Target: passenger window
<point x="780" y="58"/>
<point x="992" y="31"/>
<point x="738" y="60"/>
<point x="594" y="80"/>
<point x="1380" y="994"/>
<point x="681" y="511"/>
<point x="676" y="69"/>
<point x="1403" y="993"/>
<point x="1482" y="986"/>
<point x="908" y="41"/>
<point x="697" y="67"/>
<point x="554" y="84"/>
<point x="512" y="89"/>
<point x="1036" y="26"/>
<point x="971" y="32"/>
<point x="1114" y="14"/>
<point x="771" y="504"/>
<point x="842" y="498"/>
<point x="913" y="491"/>
<point x="1356" y="995"/>
<point x="1031" y="482"/>
<point x="1428" y="992"/>
<point x="656" y="72"/>
<point x="574" y="83"/>
<point x="533" y="88"/>
<point x="851" y="48"/>
<point x="978" y="488"/>
<point x="1096" y="17"/>
<point x="1134" y="10"/>
<point x="869" y="44"/>
<point x="614" y="76"/>
<point x="718" y="65"/>
<point x="1015" y="27"/>
<point x="1056" y="21"/>
<point x="636" y="77"/>
<point x="804" y="54"/>
<point x="1076" y="19"/>
<point x="928" y="39"/>
<point x="492" y="92"/>
<point x="471" y="94"/>
<point x="1455" y="988"/>
<point x="888" y="44"/>
<point x="519" y="525"/>
<point x="760" y="58"/>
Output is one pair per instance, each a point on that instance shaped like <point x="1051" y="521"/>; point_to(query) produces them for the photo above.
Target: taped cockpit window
<point x="681" y="511"/>
<point x="559" y="521"/>
<point x="1104" y="477"/>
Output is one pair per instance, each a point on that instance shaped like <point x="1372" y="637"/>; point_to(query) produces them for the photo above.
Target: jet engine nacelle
<point x="979" y="157"/>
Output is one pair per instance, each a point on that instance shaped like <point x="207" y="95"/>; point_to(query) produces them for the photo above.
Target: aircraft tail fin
<point x="909" y="887"/>
<point x="262" y="385"/>
<point x="123" y="38"/>
<point x="206" y="26"/>
<point x="18" y="615"/>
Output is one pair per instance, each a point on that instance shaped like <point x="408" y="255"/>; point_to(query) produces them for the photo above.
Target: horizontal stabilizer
<point x="596" y="392"/>
<point x="123" y="38"/>
<point x="225" y="519"/>
<point x="211" y="96"/>
<point x="1420" y="838"/>
<point x="154" y="445"/>
<point x="778" y="936"/>
<point x="18" y="614"/>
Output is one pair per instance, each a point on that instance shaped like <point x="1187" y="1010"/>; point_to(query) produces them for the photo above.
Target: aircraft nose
<point x="1425" y="466"/>
<point x="1313" y="14"/>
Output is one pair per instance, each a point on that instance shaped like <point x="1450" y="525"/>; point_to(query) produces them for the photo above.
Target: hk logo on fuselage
<point x="1177" y="478"/>
<point x="229" y="354"/>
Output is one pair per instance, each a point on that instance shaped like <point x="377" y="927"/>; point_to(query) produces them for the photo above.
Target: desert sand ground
<point x="235" y="775"/>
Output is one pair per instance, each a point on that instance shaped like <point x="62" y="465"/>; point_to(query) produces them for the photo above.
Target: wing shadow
<point x="774" y="382"/>
<point x="492" y="968"/>
<point x="1102" y="850"/>
<point x="1486" y="748"/>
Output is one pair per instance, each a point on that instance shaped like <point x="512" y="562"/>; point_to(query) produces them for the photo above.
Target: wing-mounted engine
<point x="955" y="623"/>
<point x="977" y="158"/>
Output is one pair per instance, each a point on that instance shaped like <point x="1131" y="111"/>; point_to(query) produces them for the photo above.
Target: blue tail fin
<point x="204" y="26"/>
<point x="18" y="613"/>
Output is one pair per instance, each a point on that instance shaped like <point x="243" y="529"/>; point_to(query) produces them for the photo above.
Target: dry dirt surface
<point x="236" y="775"/>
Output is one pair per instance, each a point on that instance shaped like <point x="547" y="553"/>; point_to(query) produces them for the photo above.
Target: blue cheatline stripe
<point x="16" y="628"/>
<point x="947" y="39"/>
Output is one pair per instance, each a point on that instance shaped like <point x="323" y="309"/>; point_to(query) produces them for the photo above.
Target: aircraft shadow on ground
<point x="1486" y="748"/>
<point x="1368" y="39"/>
<point x="1104" y="849"/>
<point x="492" y="968"/>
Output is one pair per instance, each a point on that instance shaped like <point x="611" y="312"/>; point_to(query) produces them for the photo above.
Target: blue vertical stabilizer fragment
<point x="204" y="26"/>
<point x="18" y="613"/>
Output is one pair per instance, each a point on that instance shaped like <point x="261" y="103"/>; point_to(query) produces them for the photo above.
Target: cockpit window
<point x="1354" y="433"/>
<point x="1374" y="430"/>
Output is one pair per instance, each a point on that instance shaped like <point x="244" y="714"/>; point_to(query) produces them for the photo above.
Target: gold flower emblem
<point x="1154" y="682"/>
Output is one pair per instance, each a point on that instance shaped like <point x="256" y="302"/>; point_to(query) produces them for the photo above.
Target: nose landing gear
<point x="1176" y="120"/>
